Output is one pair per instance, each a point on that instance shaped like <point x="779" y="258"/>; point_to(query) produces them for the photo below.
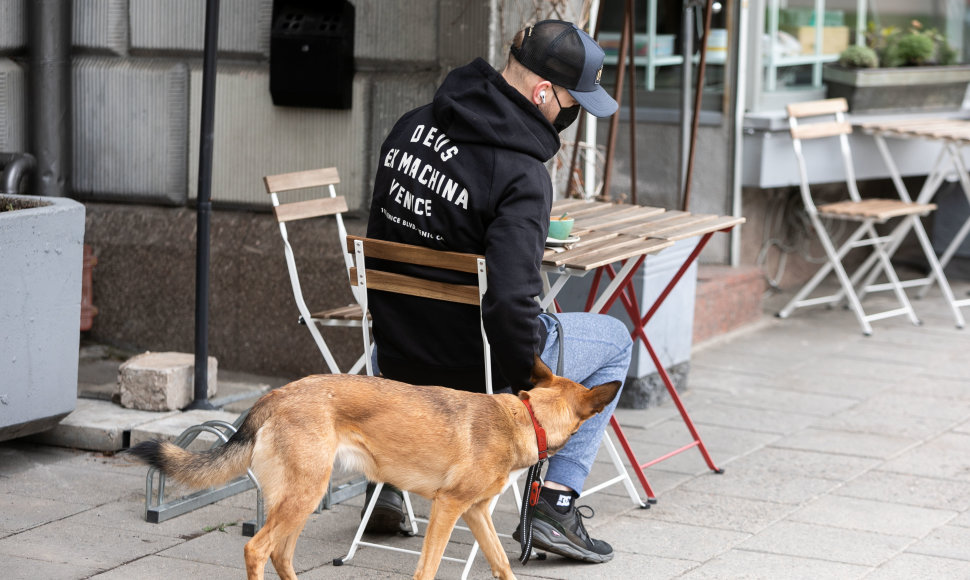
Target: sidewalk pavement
<point x="845" y="457"/>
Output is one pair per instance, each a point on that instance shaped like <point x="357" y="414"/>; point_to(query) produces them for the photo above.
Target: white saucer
<point x="554" y="242"/>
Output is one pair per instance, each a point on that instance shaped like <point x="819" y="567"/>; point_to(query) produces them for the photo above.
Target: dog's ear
<point x="597" y="398"/>
<point x="541" y="374"/>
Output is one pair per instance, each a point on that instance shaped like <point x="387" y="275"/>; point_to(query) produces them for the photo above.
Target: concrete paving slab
<point x="859" y="364"/>
<point x="775" y="397"/>
<point x="96" y="426"/>
<point x="909" y="489"/>
<point x="945" y="457"/>
<point x="872" y="516"/>
<point x="945" y="542"/>
<point x="832" y="466"/>
<point x="171" y="426"/>
<point x="655" y="537"/>
<point x="86" y="547"/>
<point x="130" y="515"/>
<point x="832" y="441"/>
<point x="866" y="419"/>
<point x="761" y="566"/>
<point x="908" y="566"/>
<point x="19" y="568"/>
<point x="787" y="488"/>
<point x="76" y="485"/>
<point x="722" y="442"/>
<point x="962" y="520"/>
<point x="827" y="543"/>
<point x="819" y="381"/>
<point x="155" y="567"/>
<point x="19" y="513"/>
<point x="717" y="511"/>
<point x="634" y="566"/>
<point x="761" y="420"/>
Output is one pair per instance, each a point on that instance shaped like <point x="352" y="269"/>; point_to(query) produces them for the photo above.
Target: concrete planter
<point x="40" y="307"/>
<point x="671" y="330"/>
<point x="886" y="90"/>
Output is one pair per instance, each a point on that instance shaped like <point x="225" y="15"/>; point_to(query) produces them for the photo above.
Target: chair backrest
<point x="364" y="277"/>
<point x="829" y="116"/>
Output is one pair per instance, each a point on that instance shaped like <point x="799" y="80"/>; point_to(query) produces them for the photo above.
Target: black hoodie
<point x="466" y="173"/>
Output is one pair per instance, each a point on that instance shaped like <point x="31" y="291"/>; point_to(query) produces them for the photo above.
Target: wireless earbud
<point x="542" y="96"/>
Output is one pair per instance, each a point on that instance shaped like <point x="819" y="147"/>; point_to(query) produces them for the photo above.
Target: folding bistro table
<point x="607" y="234"/>
<point x="953" y="135"/>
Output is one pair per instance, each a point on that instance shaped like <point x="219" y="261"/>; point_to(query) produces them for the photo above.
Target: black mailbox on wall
<point x="311" y="62"/>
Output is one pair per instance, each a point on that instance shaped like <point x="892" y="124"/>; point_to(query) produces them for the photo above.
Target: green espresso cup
<point x="559" y="228"/>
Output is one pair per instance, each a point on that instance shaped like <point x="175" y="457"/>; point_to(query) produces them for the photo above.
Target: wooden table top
<point x="930" y="128"/>
<point x="611" y="232"/>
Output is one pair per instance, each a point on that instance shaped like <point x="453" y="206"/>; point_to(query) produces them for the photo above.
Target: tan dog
<point x="453" y="447"/>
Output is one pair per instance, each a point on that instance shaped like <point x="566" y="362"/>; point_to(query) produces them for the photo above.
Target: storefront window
<point x="659" y="72"/>
<point x="799" y="36"/>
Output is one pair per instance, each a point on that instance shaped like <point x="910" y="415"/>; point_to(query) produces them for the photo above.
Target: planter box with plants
<point x="912" y="70"/>
<point x="41" y="240"/>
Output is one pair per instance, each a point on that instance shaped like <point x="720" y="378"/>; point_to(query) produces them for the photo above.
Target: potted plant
<point x="897" y="70"/>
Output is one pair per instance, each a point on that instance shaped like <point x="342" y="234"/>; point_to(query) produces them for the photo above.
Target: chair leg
<point x="834" y="257"/>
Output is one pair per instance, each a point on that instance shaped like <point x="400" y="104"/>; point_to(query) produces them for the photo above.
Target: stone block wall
<point x="137" y="84"/>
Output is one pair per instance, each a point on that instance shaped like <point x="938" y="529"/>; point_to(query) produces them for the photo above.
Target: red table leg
<point x="626" y="294"/>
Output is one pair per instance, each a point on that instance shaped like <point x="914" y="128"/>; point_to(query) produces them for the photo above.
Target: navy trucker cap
<point x="564" y="55"/>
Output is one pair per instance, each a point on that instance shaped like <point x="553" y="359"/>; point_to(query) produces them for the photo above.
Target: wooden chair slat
<point x="819" y="130"/>
<point x="815" y="108"/>
<point x="381" y="249"/>
<point x="301" y="179"/>
<point x="414" y="286"/>
<point x="299" y="210"/>
<point x="349" y="312"/>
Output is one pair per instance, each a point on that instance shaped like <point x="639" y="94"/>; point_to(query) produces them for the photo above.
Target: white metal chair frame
<point x="334" y="205"/>
<point x="866" y="212"/>
<point x="436" y="290"/>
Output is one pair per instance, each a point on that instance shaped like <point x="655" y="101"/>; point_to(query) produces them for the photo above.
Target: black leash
<point x="533" y="480"/>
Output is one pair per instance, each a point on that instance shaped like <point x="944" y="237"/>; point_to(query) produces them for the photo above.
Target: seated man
<point x="466" y="173"/>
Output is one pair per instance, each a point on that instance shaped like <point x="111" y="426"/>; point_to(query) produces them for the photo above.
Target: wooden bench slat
<point x="301" y="179"/>
<point x="298" y="210"/>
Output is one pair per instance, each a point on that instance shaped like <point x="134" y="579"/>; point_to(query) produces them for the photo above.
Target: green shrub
<point x="915" y="46"/>
<point x="857" y="56"/>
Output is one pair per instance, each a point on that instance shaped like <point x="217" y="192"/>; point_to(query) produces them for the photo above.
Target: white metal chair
<point x="362" y="249"/>
<point x="332" y="205"/>
<point x="864" y="212"/>
<point x="363" y="278"/>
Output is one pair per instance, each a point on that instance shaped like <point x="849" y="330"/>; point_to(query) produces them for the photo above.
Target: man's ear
<point x="541" y="374"/>
<point x="597" y="398"/>
<point x="539" y="88"/>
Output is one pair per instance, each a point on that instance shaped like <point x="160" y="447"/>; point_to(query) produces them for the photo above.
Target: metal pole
<point x="205" y="208"/>
<point x="698" y="97"/>
<point x="49" y="58"/>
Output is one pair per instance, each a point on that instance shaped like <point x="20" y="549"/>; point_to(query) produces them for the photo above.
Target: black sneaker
<point x="388" y="515"/>
<point x="564" y="534"/>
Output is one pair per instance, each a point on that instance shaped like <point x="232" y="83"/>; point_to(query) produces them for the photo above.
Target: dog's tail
<point x="207" y="468"/>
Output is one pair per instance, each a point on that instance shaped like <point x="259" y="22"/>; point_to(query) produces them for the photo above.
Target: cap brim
<point x="599" y="103"/>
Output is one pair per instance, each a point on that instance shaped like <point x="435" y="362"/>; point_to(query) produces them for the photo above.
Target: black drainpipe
<point x="49" y="94"/>
<point x="14" y="168"/>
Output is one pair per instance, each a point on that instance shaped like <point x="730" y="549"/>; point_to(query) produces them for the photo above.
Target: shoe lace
<point x="583" y="512"/>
